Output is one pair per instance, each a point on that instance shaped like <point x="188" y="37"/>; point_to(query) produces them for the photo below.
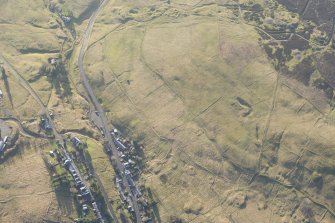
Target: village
<point x="68" y="167"/>
<point x="130" y="171"/>
<point x="132" y="198"/>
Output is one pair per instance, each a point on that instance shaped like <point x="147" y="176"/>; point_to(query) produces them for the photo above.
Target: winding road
<point x="24" y="130"/>
<point x="32" y="92"/>
<point x="98" y="107"/>
<point x="44" y="109"/>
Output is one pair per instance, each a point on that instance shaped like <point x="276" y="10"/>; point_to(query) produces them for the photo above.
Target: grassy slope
<point x="176" y="82"/>
<point x="26" y="192"/>
<point x="28" y="39"/>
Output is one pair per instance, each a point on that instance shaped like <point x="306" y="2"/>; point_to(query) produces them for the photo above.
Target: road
<point x="32" y="92"/>
<point x="25" y="131"/>
<point x="73" y="166"/>
<point x="98" y="107"/>
<point x="102" y="189"/>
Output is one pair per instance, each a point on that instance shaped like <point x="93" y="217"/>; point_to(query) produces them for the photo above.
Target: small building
<point x="109" y="150"/>
<point x="67" y="163"/>
<point x="119" y="144"/>
<point x="131" y="162"/>
<point x="130" y="208"/>
<point x="1" y="94"/>
<point x="97" y="212"/>
<point x="83" y="188"/>
<point x="53" y="61"/>
<point x="86" y="195"/>
<point x="2" y="146"/>
<point x="79" y="183"/>
<point x="126" y="165"/>
<point x="76" y="142"/>
<point x="123" y="197"/>
<point x="127" y="173"/>
<point x="45" y="124"/>
<point x="123" y="156"/>
<point x="146" y="220"/>
<point x="115" y="133"/>
<point x="130" y="181"/>
<point x="137" y="192"/>
<point x="3" y="143"/>
<point x="52" y="7"/>
<point x="85" y="208"/>
<point x="66" y="19"/>
<point x="51" y="153"/>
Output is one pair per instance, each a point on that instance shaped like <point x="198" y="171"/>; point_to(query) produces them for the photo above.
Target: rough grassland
<point x="227" y="138"/>
<point x="25" y="190"/>
<point x="102" y="167"/>
<point x="30" y="34"/>
<point x="194" y="86"/>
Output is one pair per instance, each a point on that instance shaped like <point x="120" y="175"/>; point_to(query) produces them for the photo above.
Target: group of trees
<point x="58" y="77"/>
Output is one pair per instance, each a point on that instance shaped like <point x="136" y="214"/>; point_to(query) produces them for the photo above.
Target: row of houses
<point x="130" y="170"/>
<point x="83" y="190"/>
<point x="84" y="194"/>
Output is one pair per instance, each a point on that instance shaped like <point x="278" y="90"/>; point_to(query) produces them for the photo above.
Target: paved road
<point x="98" y="107"/>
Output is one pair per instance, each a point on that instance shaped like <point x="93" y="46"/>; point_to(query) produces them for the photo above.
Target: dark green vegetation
<point x="306" y="47"/>
<point x="58" y="77"/>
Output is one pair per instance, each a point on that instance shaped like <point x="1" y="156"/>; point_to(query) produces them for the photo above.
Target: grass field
<point x="102" y="167"/>
<point x="105" y="172"/>
<point x="26" y="193"/>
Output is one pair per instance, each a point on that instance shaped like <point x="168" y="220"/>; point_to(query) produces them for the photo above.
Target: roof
<point x="120" y="144"/>
<point x="75" y="138"/>
<point x="2" y="145"/>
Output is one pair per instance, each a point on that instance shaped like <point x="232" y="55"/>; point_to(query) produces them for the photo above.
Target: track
<point x="268" y="120"/>
<point x="303" y="11"/>
<point x="58" y="137"/>
<point x="97" y="106"/>
<point x="32" y="92"/>
<point x="24" y="130"/>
